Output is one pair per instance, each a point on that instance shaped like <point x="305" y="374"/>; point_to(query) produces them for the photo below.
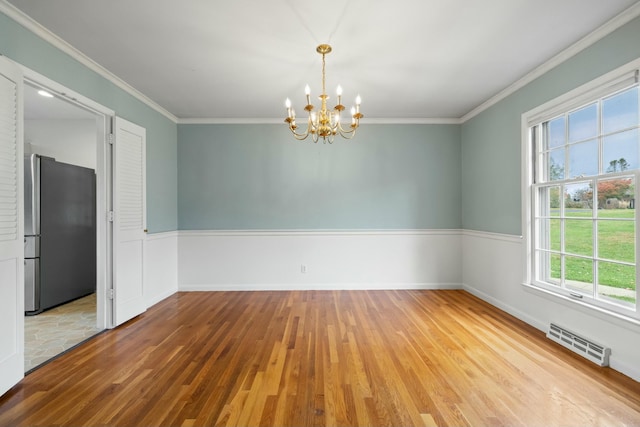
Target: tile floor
<point x="54" y="331"/>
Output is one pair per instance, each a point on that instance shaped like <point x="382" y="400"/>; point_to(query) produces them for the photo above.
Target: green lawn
<point x="615" y="240"/>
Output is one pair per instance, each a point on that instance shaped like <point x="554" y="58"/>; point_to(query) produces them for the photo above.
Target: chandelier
<point x="325" y="124"/>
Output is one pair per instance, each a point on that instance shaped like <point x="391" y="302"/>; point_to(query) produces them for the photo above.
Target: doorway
<point x="62" y="128"/>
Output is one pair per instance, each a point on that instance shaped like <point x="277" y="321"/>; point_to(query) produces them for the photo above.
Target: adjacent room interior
<point x="342" y="213"/>
<point x="63" y="314"/>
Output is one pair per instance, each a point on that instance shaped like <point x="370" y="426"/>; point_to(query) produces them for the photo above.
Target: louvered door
<point x="129" y="201"/>
<point x="11" y="227"/>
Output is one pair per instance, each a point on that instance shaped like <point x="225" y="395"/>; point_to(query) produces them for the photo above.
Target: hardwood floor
<point x="322" y="358"/>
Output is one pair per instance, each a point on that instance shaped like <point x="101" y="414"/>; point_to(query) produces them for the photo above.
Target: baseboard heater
<point x="584" y="347"/>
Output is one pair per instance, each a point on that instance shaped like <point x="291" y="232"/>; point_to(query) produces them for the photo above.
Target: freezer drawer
<point x="32" y="285"/>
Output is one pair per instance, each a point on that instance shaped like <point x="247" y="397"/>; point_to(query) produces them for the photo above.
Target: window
<point x="582" y="166"/>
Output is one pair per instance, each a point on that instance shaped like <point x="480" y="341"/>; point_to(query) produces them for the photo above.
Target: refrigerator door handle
<point x="35" y="184"/>
<point x="32" y="195"/>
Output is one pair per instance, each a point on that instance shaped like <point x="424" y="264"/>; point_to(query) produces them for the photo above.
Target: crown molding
<point x="389" y="121"/>
<point x="45" y="34"/>
<point x="322" y="232"/>
<point x="596" y="35"/>
<point x="604" y="30"/>
<point x="230" y="121"/>
<point x="416" y="121"/>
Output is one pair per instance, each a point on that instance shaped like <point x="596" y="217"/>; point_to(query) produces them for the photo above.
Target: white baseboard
<point x="319" y="286"/>
<point x="506" y="308"/>
<point x="629" y="369"/>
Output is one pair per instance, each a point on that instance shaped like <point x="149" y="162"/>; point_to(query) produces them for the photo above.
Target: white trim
<point x="316" y="286"/>
<point x="230" y="121"/>
<point x="414" y="121"/>
<point x="590" y="309"/>
<point x="387" y="232"/>
<point x="588" y="92"/>
<point x="630" y="369"/>
<point x="61" y="91"/>
<point x="162" y="235"/>
<point x="48" y="36"/>
<point x="506" y="308"/>
<point x="384" y="121"/>
<point x="510" y="238"/>
<point x="599" y="33"/>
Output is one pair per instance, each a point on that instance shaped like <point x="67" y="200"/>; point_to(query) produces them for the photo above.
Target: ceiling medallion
<point x="325" y="124"/>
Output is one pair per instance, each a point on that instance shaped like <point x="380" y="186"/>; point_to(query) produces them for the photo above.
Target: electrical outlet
<point x="303" y="268"/>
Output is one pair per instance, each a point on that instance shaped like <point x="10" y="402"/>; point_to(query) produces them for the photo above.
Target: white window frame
<point x="598" y="88"/>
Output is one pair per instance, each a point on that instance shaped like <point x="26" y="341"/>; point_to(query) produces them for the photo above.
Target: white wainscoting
<point x="273" y="260"/>
<point x="161" y="267"/>
<point x="492" y="269"/>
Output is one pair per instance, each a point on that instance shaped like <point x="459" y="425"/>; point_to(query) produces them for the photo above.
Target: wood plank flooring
<point x="322" y="358"/>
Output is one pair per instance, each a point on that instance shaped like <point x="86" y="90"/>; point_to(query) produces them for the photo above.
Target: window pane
<point x="554" y="234"/>
<point x="620" y="111"/>
<point x="556" y="133"/>
<point x="583" y="124"/>
<point x="615" y="196"/>
<point x="555" y="170"/>
<point x="578" y="200"/>
<point x="578" y="237"/>
<point x="617" y="239"/>
<point x="579" y="274"/>
<point x="549" y="201"/>
<point x="617" y="282"/>
<point x="621" y="151"/>
<point x="583" y="159"/>
<point x="549" y="234"/>
<point x="549" y="267"/>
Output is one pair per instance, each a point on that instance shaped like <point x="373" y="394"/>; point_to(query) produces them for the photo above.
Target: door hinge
<point x="110" y="139"/>
<point x="110" y="216"/>
<point x="110" y="293"/>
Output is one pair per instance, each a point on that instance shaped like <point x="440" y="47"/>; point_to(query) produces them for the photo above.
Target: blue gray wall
<point x="242" y="177"/>
<point x="26" y="48"/>
<point x="491" y="155"/>
<point x="389" y="177"/>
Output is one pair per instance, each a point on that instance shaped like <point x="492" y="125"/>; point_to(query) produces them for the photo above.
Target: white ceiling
<point x="240" y="59"/>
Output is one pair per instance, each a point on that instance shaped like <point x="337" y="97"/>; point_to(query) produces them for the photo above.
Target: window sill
<point x="630" y="323"/>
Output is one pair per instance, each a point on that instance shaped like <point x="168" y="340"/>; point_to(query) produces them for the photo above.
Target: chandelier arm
<point x="348" y="135"/>
<point x="299" y="136"/>
<point x="344" y="131"/>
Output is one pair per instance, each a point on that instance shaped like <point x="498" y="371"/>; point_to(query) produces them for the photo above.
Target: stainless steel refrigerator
<point x="59" y="233"/>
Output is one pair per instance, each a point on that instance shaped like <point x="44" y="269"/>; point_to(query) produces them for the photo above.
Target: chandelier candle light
<point x="324" y="123"/>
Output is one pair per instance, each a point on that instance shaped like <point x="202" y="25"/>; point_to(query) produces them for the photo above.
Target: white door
<point x="11" y="227"/>
<point x="129" y="224"/>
